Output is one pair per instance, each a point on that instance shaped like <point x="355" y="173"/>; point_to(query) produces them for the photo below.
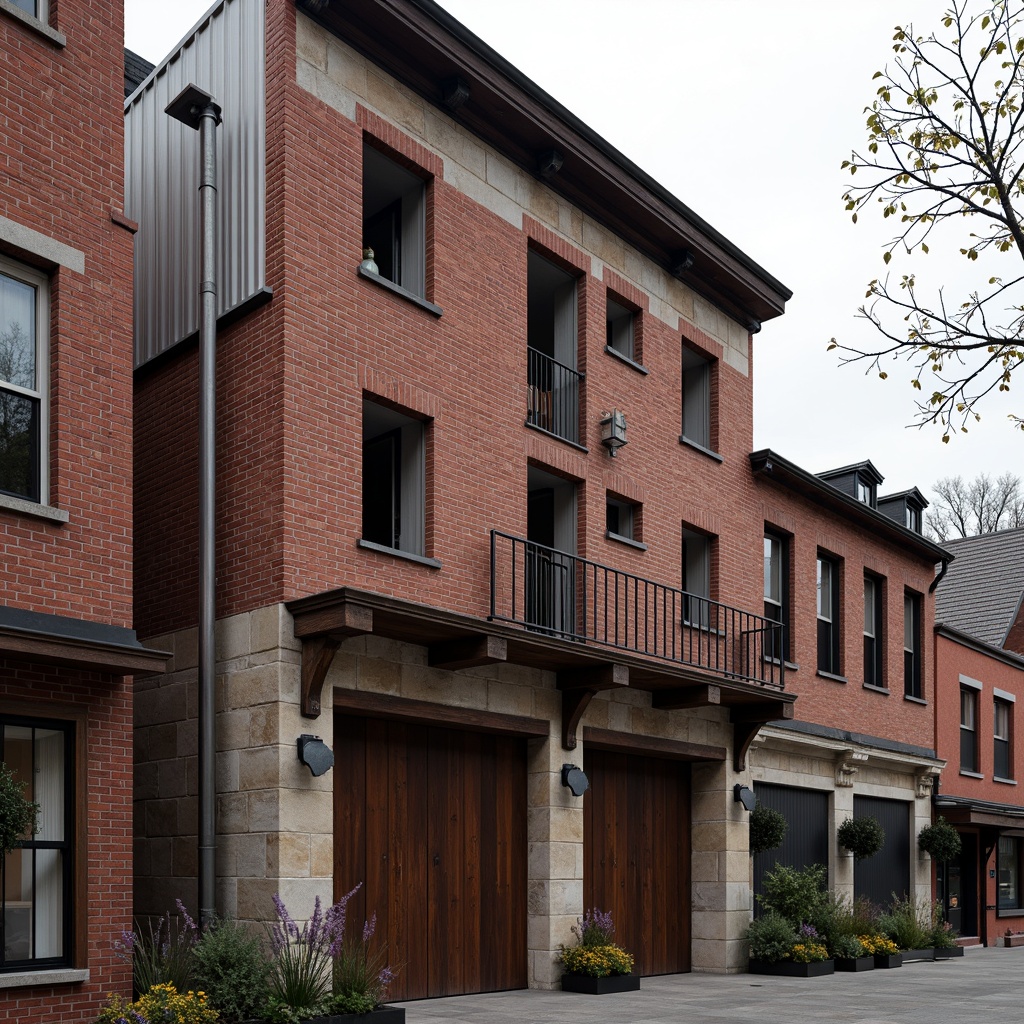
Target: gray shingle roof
<point x="136" y="71"/>
<point x="982" y="591"/>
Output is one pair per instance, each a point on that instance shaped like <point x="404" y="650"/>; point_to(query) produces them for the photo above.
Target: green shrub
<point x="18" y="814"/>
<point x="767" y="829"/>
<point x="232" y="967"/>
<point x="163" y="954"/>
<point x="940" y="841"/>
<point x="847" y="947"/>
<point x="909" y="926"/>
<point x="943" y="934"/>
<point x="797" y="895"/>
<point x="863" y="837"/>
<point x="771" y="938"/>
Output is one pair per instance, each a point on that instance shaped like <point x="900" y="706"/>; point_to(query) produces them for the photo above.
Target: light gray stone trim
<point x="58" y="38"/>
<point x="30" y="508"/>
<point x="972" y="683"/>
<point x="1003" y="695"/>
<point x="36" y="242"/>
<point x="66" y="976"/>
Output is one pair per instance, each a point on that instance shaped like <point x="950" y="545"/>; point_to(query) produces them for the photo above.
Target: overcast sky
<point x="744" y="109"/>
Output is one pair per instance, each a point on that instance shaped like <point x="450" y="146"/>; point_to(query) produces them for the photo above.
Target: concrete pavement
<point x="985" y="986"/>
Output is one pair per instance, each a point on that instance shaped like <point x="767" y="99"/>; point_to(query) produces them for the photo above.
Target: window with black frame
<point x="36" y="883"/>
<point x="968" y="730"/>
<point x="828" y="616"/>
<point x="1002" y="758"/>
<point x="1008" y="866"/>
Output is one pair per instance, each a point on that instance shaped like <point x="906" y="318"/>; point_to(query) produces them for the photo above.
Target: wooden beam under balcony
<point x="690" y="697"/>
<point x="747" y="720"/>
<point x="468" y="652"/>
<point x="578" y="687"/>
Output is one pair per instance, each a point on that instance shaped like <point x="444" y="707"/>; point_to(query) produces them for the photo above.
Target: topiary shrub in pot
<point x="18" y="814"/>
<point x="940" y="841"/>
<point x="863" y="837"/>
<point x="767" y="829"/>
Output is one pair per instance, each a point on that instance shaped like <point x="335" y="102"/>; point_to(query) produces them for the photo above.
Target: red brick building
<point x="67" y="646"/>
<point x="979" y="670"/>
<point x="446" y="304"/>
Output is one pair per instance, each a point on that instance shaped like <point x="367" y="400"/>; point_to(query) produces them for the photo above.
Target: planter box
<point x="382" y="1015"/>
<point x="949" y="952"/>
<point x="596" y="986"/>
<point x="1011" y="940"/>
<point x="860" y="963"/>
<point x="883" y="962"/>
<point x="789" y="969"/>
<point x="918" y="954"/>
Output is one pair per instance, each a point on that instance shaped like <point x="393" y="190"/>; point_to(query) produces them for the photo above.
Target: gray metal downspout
<point x="198" y="110"/>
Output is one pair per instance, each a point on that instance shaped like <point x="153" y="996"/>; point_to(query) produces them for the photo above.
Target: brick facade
<point x="293" y="378"/>
<point x="66" y="598"/>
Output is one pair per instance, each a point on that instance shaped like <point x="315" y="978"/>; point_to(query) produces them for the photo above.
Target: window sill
<point x="619" y="539"/>
<point x="58" y="976"/>
<point x="915" y="700"/>
<point x="397" y="289"/>
<point x="683" y="439"/>
<point x="971" y="775"/>
<point x="877" y="689"/>
<point x="40" y="27"/>
<point x="687" y="624"/>
<point x="408" y="556"/>
<point x="557" y="437"/>
<point x="32" y="508"/>
<point x="1005" y="782"/>
<point x="1010" y="912"/>
<point x="831" y="675"/>
<point x="625" y="359"/>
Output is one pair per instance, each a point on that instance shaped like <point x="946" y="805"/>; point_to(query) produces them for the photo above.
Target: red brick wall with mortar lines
<point x="291" y="387"/>
<point x="952" y="660"/>
<point x="103" y="884"/>
<point x="62" y="155"/>
<point x="62" y="152"/>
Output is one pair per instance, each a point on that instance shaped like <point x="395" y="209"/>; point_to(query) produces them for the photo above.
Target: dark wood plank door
<point x="434" y="821"/>
<point x="636" y="842"/>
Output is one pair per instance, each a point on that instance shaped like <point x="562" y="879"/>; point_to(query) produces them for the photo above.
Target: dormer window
<point x="864" y="491"/>
<point x="913" y="519"/>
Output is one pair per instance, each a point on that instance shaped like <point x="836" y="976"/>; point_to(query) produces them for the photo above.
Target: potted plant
<point x="943" y="935"/>
<point x="863" y="837"/>
<point x="1010" y="938"/>
<point x="883" y="949"/>
<point x="594" y="964"/>
<point x="849" y="954"/>
<point x="910" y="927"/>
<point x="767" y="829"/>
<point x="778" y="948"/>
<point x="18" y="814"/>
<point x="940" y="841"/>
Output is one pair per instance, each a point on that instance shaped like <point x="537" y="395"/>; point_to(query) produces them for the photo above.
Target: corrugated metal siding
<point x="807" y="834"/>
<point x="225" y="56"/>
<point x="886" y="874"/>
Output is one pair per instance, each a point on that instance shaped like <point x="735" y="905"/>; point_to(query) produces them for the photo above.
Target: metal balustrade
<point x="554" y="593"/>
<point x="553" y="396"/>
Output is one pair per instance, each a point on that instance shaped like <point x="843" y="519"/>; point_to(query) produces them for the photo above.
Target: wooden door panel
<point x="434" y="821"/>
<point x="637" y="855"/>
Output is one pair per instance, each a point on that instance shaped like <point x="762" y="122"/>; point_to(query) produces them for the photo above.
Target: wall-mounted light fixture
<point x="315" y="754"/>
<point x="613" y="430"/>
<point x="744" y="795"/>
<point x="575" y="779"/>
<point x="369" y="264"/>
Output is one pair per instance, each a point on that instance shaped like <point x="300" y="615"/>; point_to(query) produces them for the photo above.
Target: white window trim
<point x="41" y="282"/>
<point x="972" y="683"/>
<point x="1009" y="698"/>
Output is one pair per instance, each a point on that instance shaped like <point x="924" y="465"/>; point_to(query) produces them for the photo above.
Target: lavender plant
<point x="594" y="928"/>
<point x="317" y="968"/>
<point x="164" y="955"/>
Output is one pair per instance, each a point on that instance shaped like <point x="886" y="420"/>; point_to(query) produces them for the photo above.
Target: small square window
<point x="394" y="221"/>
<point x="24" y="361"/>
<point x="394" y="479"/>
<point x="620" y="330"/>
<point x="622" y="519"/>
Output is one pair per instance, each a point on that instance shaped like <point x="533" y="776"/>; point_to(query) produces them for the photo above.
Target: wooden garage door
<point x="433" y="822"/>
<point x="636" y="842"/>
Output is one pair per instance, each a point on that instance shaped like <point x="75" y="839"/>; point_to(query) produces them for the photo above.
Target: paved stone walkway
<point x="984" y="987"/>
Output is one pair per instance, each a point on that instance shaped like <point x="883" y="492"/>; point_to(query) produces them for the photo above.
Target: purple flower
<point x="385" y="977"/>
<point x="369" y="927"/>
<point x="190" y="925"/>
<point x="290" y="927"/>
<point x="808" y="931"/>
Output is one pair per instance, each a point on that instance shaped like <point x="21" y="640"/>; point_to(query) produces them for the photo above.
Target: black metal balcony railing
<point x="563" y="595"/>
<point x="553" y="396"/>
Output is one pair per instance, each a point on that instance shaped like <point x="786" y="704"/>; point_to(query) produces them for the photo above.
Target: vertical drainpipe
<point x="199" y="111"/>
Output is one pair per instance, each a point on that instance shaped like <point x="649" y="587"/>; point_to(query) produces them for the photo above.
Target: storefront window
<point x="1009" y="861"/>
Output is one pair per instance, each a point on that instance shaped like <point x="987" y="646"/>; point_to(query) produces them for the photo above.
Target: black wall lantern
<point x="744" y="795"/>
<point x="315" y="754"/>
<point x="613" y="431"/>
<point x="575" y="779"/>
